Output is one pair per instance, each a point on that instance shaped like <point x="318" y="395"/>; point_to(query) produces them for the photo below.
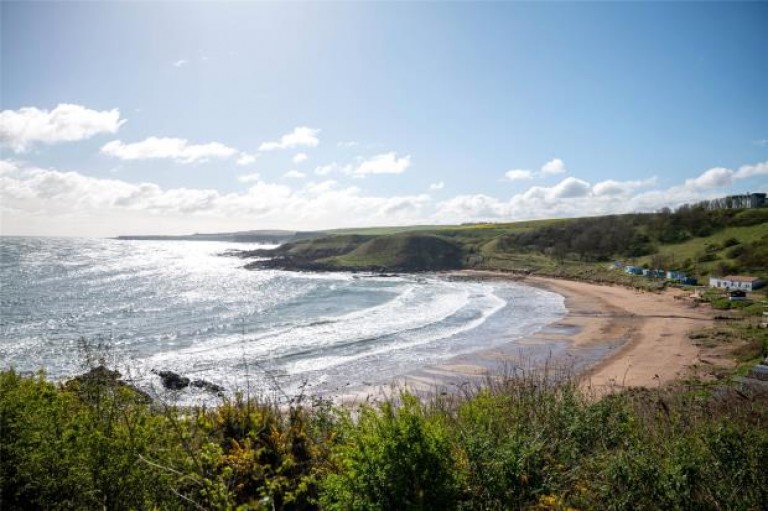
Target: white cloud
<point x="612" y="187"/>
<point x="294" y="174"/>
<point x="66" y="123"/>
<point x="569" y="188"/>
<point x="324" y="170"/>
<point x="8" y="167"/>
<point x="321" y="187"/>
<point x="569" y="197"/>
<point x="347" y="144"/>
<point x="437" y="186"/>
<point x="180" y="63"/>
<point x="466" y="208"/>
<point x="248" y="178"/>
<point x="74" y="204"/>
<point x="300" y="157"/>
<point x="609" y="187"/>
<point x="300" y="136"/>
<point x="554" y="166"/>
<point x="720" y="177"/>
<point x="47" y="201"/>
<point x="717" y="177"/>
<point x="387" y="163"/>
<point x="747" y="171"/>
<point x="177" y="149"/>
<point x="246" y="159"/>
<point x="518" y="175"/>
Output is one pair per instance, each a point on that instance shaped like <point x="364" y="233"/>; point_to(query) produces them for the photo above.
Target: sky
<point x="181" y="117"/>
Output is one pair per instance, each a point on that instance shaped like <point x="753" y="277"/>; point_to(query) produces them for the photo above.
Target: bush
<point x="523" y="441"/>
<point x="393" y="458"/>
<point x="61" y="450"/>
<point x="749" y="217"/>
<point x="706" y="257"/>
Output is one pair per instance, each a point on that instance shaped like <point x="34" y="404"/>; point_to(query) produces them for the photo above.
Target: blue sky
<point x="188" y="117"/>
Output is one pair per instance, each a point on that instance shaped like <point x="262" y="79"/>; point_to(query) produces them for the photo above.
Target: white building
<point x="742" y="282"/>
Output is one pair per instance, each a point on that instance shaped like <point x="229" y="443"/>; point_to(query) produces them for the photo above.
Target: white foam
<point x="179" y="306"/>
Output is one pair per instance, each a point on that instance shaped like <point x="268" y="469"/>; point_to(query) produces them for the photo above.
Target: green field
<point x="697" y="241"/>
<point x="676" y="254"/>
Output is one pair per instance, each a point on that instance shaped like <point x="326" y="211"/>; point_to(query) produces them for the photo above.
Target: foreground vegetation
<point x="526" y="440"/>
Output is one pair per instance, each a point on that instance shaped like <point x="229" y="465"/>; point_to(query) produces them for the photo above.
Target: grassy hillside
<point x="716" y="253"/>
<point x="324" y="247"/>
<point x="406" y="252"/>
<point x="695" y="240"/>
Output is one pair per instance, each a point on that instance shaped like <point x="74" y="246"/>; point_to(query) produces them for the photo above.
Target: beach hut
<point x="742" y="282"/>
<point x="676" y="275"/>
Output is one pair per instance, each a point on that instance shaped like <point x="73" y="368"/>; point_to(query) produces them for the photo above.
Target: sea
<point x="67" y="304"/>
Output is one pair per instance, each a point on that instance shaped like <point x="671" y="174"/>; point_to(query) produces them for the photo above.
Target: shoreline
<point x="614" y="337"/>
<point x="654" y="328"/>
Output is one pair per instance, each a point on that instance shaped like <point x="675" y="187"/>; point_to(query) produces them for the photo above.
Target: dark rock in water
<point x="91" y="385"/>
<point x="172" y="381"/>
<point x="206" y="385"/>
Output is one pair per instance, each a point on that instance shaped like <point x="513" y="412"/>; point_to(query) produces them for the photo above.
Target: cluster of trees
<point x="632" y="235"/>
<point x="591" y="239"/>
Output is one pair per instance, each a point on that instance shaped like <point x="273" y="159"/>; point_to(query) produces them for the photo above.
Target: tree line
<point x="631" y="235"/>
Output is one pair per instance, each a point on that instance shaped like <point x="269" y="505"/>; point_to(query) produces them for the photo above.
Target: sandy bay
<point x="615" y="337"/>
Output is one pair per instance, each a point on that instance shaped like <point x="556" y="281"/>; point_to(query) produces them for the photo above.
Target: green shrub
<point x="525" y="440"/>
<point x="706" y="257"/>
<point x="393" y="458"/>
<point x="60" y="450"/>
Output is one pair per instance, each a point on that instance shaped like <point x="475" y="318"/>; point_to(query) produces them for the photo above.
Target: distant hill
<point x="403" y="252"/>
<point x="264" y="236"/>
<point x="694" y="239"/>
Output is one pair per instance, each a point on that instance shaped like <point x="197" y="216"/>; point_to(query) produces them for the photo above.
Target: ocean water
<point x="182" y="306"/>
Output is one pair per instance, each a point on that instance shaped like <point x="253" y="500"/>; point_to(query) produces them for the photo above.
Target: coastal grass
<point x="522" y="440"/>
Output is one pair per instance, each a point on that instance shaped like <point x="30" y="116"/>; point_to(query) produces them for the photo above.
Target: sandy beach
<point x="653" y="328"/>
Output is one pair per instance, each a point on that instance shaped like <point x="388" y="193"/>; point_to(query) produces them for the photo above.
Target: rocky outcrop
<point x="207" y="386"/>
<point x="172" y="381"/>
<point x="175" y="381"/>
